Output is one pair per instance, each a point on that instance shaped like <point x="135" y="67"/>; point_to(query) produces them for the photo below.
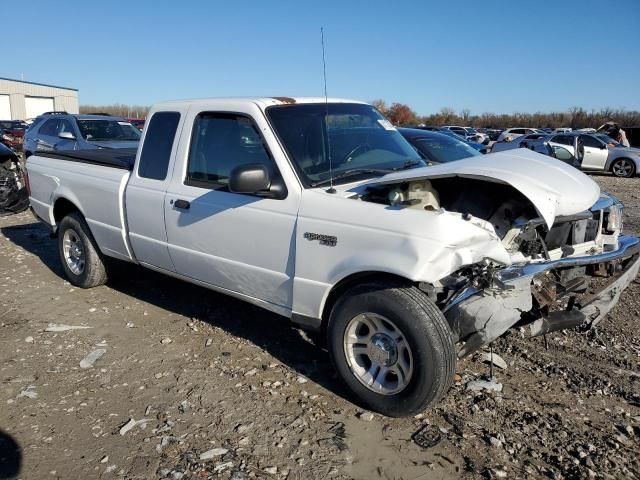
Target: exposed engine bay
<point x="561" y="277"/>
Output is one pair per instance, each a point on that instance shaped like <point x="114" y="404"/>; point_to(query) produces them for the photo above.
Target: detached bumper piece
<point x="545" y="296"/>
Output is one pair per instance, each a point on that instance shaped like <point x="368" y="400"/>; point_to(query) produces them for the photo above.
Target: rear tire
<point x="81" y="259"/>
<point x="623" y="168"/>
<point x="392" y="347"/>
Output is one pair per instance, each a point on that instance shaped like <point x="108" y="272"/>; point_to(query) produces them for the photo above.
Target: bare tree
<point x="380" y="105"/>
<point x="465" y="115"/>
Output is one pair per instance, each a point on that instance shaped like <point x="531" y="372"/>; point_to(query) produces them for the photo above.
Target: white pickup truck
<point x="320" y="211"/>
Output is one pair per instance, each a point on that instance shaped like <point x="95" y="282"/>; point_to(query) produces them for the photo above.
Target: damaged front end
<point x="566" y="259"/>
<point x="565" y="276"/>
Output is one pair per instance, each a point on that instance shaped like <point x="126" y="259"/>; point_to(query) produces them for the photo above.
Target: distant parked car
<point x="523" y="141"/>
<point x="62" y="131"/>
<point x="137" y="122"/>
<point x="516" y="132"/>
<point x="493" y="133"/>
<point x="12" y="133"/>
<point x="469" y="133"/>
<point x="562" y="130"/>
<point x="478" y="146"/>
<point x="597" y="151"/>
<point x="438" y="147"/>
<point x="432" y="128"/>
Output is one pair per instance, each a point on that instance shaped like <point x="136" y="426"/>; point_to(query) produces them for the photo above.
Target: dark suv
<point x="62" y="131"/>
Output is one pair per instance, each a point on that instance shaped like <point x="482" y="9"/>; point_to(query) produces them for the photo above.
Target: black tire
<point x="426" y="331"/>
<point x="619" y="170"/>
<point x="93" y="272"/>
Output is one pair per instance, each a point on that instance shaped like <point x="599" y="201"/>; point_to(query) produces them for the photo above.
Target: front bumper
<point x="480" y="316"/>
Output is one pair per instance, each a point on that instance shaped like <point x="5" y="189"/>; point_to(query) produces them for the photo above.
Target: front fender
<point x="415" y="258"/>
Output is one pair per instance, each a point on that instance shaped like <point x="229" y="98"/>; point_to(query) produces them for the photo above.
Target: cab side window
<point x="589" y="141"/>
<point x="65" y="126"/>
<point x="219" y="143"/>
<point x="563" y="139"/>
<point x="50" y="127"/>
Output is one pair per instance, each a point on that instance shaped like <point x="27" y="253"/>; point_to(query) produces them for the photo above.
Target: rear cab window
<point x="158" y="144"/>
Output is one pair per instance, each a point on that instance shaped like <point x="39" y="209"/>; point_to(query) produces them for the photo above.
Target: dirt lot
<point x="200" y="372"/>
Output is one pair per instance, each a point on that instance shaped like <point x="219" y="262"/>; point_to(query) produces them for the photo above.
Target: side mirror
<point x="66" y="136"/>
<point x="252" y="178"/>
<point x="603" y="147"/>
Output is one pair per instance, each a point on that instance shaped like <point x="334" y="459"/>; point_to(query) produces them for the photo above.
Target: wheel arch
<point x="344" y="284"/>
<point x="62" y="207"/>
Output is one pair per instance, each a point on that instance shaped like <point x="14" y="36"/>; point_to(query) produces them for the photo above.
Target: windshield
<point x="454" y="135"/>
<point x="606" y="139"/>
<point x="356" y="138"/>
<point x="108" y="130"/>
<point x="470" y="130"/>
<point x="442" y="149"/>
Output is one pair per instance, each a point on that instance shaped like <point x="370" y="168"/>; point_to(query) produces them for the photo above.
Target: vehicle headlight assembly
<point x="614" y="219"/>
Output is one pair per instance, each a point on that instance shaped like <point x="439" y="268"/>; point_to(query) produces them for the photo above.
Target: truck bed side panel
<point x="96" y="190"/>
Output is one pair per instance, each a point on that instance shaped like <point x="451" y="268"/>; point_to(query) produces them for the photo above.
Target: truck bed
<point x="117" y="158"/>
<point x="92" y="180"/>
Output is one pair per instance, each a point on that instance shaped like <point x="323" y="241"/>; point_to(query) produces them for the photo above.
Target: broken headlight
<point x="614" y="218"/>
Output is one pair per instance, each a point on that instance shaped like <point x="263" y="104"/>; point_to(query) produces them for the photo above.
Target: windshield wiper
<point x="351" y="173"/>
<point x="408" y="164"/>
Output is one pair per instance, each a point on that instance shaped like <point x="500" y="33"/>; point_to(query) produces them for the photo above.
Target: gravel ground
<point x="192" y="384"/>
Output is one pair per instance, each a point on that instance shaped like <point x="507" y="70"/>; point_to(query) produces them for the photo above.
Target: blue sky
<point x="489" y="56"/>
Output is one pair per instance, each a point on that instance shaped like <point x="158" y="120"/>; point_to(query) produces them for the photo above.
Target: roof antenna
<point x="326" y="116"/>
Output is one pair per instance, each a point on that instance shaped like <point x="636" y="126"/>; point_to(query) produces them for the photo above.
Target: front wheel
<point x="81" y="259"/>
<point x="623" y="167"/>
<point x="392" y="347"/>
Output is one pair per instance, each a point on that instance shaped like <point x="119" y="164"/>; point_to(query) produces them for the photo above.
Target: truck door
<point x="145" y="192"/>
<point x="595" y="153"/>
<point x="238" y="242"/>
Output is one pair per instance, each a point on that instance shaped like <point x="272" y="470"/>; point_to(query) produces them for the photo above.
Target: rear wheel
<point x="623" y="167"/>
<point x="81" y="259"/>
<point x="392" y="347"/>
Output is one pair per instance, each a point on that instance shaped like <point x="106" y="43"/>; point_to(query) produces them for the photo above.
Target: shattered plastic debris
<point x="89" y="360"/>
<point x="497" y="360"/>
<point x="428" y="436"/>
<point x="131" y="424"/>
<point x="214" y="452"/>
<point x="29" y="392"/>
<point x="491" y="385"/>
<point x="63" y="328"/>
<point x="222" y="467"/>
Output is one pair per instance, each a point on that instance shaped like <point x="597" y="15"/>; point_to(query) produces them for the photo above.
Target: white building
<point x="20" y="100"/>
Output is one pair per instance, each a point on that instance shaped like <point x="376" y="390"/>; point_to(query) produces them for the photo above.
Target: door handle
<point x="182" y="204"/>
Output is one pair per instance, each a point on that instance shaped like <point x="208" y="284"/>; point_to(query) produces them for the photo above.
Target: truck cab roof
<point x="264" y="102"/>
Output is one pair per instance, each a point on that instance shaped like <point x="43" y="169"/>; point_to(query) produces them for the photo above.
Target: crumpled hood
<point x="553" y="187"/>
<point x="116" y="144"/>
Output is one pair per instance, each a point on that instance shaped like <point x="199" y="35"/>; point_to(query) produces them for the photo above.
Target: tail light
<point x="25" y="177"/>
